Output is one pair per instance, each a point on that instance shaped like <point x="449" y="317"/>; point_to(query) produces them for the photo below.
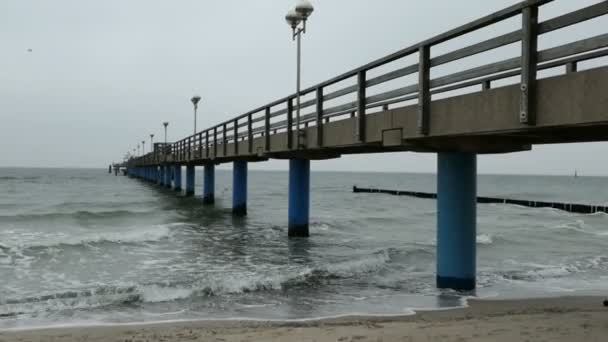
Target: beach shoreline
<point x="552" y="319"/>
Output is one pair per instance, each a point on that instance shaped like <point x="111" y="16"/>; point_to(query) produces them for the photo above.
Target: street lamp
<point x="151" y="140"/>
<point x="143" y="147"/>
<point x="165" y="124"/>
<point x="195" y="99"/>
<point x="165" y="146"/>
<point x="294" y="17"/>
<point x="138" y="150"/>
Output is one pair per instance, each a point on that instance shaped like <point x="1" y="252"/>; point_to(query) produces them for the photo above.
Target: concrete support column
<point x="177" y="178"/>
<point x="209" y="184"/>
<point x="190" y="175"/>
<point x="299" y="197"/>
<point x="161" y="175"/>
<point x="239" y="188"/>
<point x="456" y="220"/>
<point x="168" y="176"/>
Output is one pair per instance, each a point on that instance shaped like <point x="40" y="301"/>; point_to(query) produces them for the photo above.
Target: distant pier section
<point x="569" y="207"/>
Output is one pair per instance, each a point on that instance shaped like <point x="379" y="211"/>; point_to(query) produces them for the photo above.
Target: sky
<point x="103" y="75"/>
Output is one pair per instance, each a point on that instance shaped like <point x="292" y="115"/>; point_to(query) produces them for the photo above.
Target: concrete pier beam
<point x="239" y="188"/>
<point x="177" y="178"/>
<point x="190" y="176"/>
<point x="456" y="220"/>
<point x="209" y="184"/>
<point x="299" y="197"/>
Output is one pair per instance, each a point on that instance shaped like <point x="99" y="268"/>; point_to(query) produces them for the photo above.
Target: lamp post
<point x="143" y="147"/>
<point x="165" y="124"/>
<point x="152" y="143"/>
<point x="138" y="150"/>
<point x="165" y="146"/>
<point x="195" y="99"/>
<point x="294" y="17"/>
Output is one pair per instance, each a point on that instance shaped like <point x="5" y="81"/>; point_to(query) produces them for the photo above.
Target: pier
<point x="457" y="116"/>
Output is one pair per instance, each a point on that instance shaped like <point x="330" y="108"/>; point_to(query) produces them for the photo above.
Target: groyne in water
<point x="569" y="207"/>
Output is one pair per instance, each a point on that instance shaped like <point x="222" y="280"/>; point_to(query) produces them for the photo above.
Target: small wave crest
<point x="532" y="272"/>
<point x="78" y="215"/>
<point x="128" y="235"/>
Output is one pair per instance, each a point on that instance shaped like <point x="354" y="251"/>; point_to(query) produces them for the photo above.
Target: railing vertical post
<point x="290" y="123"/>
<point x="571" y="67"/>
<point x="225" y="139"/>
<point x="215" y="142"/>
<point x="486" y="85"/>
<point x="320" y="117"/>
<point x="236" y="137"/>
<point x="529" y="59"/>
<point x="267" y="128"/>
<point x="250" y="132"/>
<point x="200" y="145"/>
<point x="207" y="143"/>
<point x="361" y="91"/>
<point x="424" y="89"/>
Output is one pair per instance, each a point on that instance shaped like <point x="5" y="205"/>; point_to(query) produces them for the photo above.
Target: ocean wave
<point x="78" y="215"/>
<point x="481" y="239"/>
<point x="129" y="235"/>
<point x="532" y="272"/>
<point x="580" y="227"/>
<point x="229" y="284"/>
<point x="19" y="178"/>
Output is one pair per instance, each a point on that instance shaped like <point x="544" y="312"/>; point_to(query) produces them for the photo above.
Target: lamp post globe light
<point x="295" y="17"/>
<point x="195" y="99"/>
<point x="151" y="140"/>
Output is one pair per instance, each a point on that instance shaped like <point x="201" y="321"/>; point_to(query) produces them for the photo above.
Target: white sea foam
<point x="484" y="239"/>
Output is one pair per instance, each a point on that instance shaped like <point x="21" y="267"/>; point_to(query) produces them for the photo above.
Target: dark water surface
<point x="81" y="246"/>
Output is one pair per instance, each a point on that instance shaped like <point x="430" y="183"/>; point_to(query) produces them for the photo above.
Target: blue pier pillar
<point x="299" y="197"/>
<point x="161" y="175"/>
<point x="209" y="184"/>
<point x="239" y="188"/>
<point x="168" y="176"/>
<point x="456" y="220"/>
<point x="190" y="173"/>
<point x="177" y="178"/>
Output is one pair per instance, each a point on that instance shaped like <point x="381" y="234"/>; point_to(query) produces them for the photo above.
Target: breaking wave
<point x="225" y="284"/>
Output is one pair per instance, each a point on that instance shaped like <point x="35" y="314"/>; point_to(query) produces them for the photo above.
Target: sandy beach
<point x="553" y="319"/>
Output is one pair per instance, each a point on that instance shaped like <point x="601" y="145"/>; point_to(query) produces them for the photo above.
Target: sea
<point x="84" y="247"/>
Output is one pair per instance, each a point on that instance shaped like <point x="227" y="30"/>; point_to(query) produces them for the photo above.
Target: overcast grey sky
<point x="103" y="75"/>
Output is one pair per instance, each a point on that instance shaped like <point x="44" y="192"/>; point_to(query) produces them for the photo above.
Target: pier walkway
<point x="389" y="105"/>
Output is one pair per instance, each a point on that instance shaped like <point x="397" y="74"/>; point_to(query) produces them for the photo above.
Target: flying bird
<point x="29" y="50"/>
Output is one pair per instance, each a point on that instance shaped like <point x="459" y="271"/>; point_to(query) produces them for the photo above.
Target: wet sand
<point x="552" y="319"/>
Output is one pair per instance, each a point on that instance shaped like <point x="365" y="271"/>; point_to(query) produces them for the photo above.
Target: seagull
<point x="29" y="50"/>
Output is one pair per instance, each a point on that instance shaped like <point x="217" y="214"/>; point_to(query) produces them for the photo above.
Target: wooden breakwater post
<point x="569" y="207"/>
